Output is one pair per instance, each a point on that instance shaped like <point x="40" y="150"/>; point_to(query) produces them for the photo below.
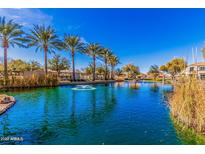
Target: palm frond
<point x="11" y="33"/>
<point x="44" y="38"/>
<point x="73" y="43"/>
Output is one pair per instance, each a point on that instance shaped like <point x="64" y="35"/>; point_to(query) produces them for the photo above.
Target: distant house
<point x="79" y="75"/>
<point x="197" y="70"/>
<point x="36" y="72"/>
<point x="164" y="75"/>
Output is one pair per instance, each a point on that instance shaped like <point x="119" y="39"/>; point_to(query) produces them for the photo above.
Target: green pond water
<point x="108" y="114"/>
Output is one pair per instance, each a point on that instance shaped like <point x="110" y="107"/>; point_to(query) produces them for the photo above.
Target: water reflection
<point x="109" y="99"/>
<point x="6" y="132"/>
<point x="93" y="101"/>
<point x="154" y="87"/>
<point x="119" y="84"/>
<point x="101" y="107"/>
<point x="73" y="117"/>
<point x="5" y="126"/>
<point x="44" y="131"/>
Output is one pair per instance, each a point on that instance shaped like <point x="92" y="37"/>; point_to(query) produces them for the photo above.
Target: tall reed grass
<point x="187" y="103"/>
<point x="187" y="135"/>
<point x="32" y="81"/>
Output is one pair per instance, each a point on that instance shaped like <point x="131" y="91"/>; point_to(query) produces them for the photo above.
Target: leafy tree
<point x="11" y="34"/>
<point x="175" y="66"/>
<point x="73" y="44"/>
<point x="89" y="69"/>
<point x="58" y="63"/>
<point x="203" y="52"/>
<point x="34" y="65"/>
<point x="163" y="68"/>
<point x="154" y="71"/>
<point x="21" y="66"/>
<point x="100" y="70"/>
<point x="1" y="67"/>
<point x="18" y="65"/>
<point x="44" y="39"/>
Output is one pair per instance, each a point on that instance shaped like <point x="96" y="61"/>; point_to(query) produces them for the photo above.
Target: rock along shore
<point x="6" y="102"/>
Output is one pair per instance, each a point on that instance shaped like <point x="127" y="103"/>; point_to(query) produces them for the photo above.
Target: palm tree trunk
<point x="73" y="65"/>
<point x="45" y="61"/>
<point x="163" y="78"/>
<point x="94" y="65"/>
<point x="105" y="69"/>
<point x="112" y="72"/>
<point x="5" y="67"/>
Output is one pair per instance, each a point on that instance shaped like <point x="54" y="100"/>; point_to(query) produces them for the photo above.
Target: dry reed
<point x="187" y="103"/>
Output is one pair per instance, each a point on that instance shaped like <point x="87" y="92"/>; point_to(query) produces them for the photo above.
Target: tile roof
<point x="198" y="64"/>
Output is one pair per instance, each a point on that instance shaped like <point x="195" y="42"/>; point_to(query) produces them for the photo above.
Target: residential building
<point x="197" y="70"/>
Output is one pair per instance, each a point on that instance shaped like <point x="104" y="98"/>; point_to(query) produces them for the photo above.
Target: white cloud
<point x="26" y="17"/>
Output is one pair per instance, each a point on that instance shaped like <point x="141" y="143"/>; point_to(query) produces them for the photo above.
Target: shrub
<point x="33" y="81"/>
<point x="187" y="103"/>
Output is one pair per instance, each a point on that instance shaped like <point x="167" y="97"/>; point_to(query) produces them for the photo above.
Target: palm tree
<point x="73" y="44"/>
<point x="93" y="50"/>
<point x="154" y="71"/>
<point x="163" y="69"/>
<point x="58" y="63"/>
<point x="132" y="70"/>
<point x="113" y="61"/>
<point x="45" y="39"/>
<point x="105" y="54"/>
<point x="118" y="72"/>
<point x="34" y="65"/>
<point x="88" y="70"/>
<point x="100" y="71"/>
<point x="11" y="34"/>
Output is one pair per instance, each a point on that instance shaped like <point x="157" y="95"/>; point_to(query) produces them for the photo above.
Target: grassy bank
<point x="187" y="136"/>
<point x="168" y="81"/>
<point x="30" y="82"/>
<point x="187" y="103"/>
<point x="62" y="83"/>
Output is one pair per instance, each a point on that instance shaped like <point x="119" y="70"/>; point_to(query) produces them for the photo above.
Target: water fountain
<point x="83" y="87"/>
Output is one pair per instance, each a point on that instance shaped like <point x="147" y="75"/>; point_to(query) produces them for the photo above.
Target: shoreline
<point x="5" y="106"/>
<point x="61" y="83"/>
<point x="182" y="130"/>
<point x="64" y="83"/>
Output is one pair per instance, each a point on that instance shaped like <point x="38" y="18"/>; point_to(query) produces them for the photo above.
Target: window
<point x="202" y="68"/>
<point x="202" y="76"/>
<point x="191" y="69"/>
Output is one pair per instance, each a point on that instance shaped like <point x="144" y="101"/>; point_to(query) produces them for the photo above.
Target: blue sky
<point x="140" y="36"/>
